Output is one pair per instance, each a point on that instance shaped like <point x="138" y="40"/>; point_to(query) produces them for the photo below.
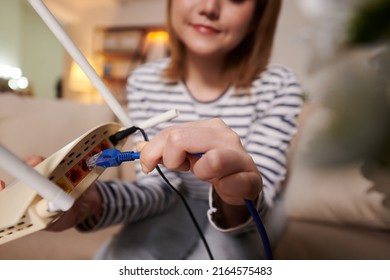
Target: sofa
<point x="332" y="213"/>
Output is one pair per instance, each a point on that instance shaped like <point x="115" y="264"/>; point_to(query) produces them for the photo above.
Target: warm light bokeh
<point x="81" y="87"/>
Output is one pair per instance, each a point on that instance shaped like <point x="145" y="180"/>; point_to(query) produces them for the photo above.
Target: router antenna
<point x="79" y="58"/>
<point x="45" y="188"/>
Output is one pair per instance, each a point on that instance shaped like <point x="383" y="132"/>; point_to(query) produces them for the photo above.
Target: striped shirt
<point x="265" y="120"/>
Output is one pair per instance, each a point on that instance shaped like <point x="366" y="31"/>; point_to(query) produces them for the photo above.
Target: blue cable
<point x="259" y="225"/>
<point x="113" y="157"/>
<point x="260" y="228"/>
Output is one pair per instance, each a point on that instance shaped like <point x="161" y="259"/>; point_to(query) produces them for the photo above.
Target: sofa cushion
<point x="305" y="240"/>
<point x="42" y="126"/>
<point x="354" y="193"/>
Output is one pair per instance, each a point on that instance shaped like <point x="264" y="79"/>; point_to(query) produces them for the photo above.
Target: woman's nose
<point x="210" y="8"/>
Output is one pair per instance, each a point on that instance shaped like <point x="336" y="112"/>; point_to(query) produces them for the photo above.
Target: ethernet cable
<point x="113" y="157"/>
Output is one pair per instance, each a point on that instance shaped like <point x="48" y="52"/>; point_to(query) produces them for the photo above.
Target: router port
<point x="75" y="175"/>
<point x="83" y="165"/>
<point x="104" y="145"/>
<point x="79" y="171"/>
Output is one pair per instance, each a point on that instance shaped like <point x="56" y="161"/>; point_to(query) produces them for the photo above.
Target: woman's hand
<point x="87" y="205"/>
<point x="32" y="160"/>
<point x="225" y="163"/>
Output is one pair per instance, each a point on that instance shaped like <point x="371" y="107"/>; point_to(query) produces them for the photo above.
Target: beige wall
<point x="25" y="42"/>
<point x="291" y="48"/>
<point x="10" y="32"/>
<point x="44" y="59"/>
<point x="42" y="54"/>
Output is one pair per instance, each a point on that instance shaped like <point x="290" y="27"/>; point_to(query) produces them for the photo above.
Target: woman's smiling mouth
<point x="205" y="29"/>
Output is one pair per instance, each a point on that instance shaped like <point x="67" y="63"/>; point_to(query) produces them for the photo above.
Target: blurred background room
<point x="337" y="192"/>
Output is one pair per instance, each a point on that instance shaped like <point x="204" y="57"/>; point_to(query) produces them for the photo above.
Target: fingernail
<point x="144" y="169"/>
<point x="140" y="146"/>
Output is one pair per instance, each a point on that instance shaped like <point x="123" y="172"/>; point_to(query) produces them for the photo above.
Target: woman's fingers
<point x="235" y="187"/>
<point x="172" y="146"/>
<point x="33" y="160"/>
<point x="219" y="163"/>
<point x="224" y="161"/>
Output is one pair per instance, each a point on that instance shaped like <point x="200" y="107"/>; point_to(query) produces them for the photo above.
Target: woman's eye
<point x="237" y="1"/>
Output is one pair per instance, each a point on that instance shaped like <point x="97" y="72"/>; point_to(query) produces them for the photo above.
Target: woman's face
<point x="211" y="27"/>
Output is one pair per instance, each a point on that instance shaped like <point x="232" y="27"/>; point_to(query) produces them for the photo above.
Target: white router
<point x="44" y="192"/>
<point x="51" y="187"/>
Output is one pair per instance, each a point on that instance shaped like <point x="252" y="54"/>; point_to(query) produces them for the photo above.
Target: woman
<point x="235" y="109"/>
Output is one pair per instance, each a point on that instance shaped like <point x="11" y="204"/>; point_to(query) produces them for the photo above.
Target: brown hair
<point x="249" y="58"/>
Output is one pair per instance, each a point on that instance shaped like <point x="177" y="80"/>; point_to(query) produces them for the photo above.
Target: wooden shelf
<point x="118" y="51"/>
<point x="119" y="55"/>
<point x="116" y="80"/>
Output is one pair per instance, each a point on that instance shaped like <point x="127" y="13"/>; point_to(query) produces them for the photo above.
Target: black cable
<point x="122" y="134"/>
<point x="183" y="200"/>
<point x="115" y="138"/>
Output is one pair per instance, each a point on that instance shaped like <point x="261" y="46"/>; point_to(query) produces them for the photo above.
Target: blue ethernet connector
<point x="110" y="158"/>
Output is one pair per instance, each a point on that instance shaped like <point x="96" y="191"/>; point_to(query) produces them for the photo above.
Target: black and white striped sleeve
<point x="279" y="101"/>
